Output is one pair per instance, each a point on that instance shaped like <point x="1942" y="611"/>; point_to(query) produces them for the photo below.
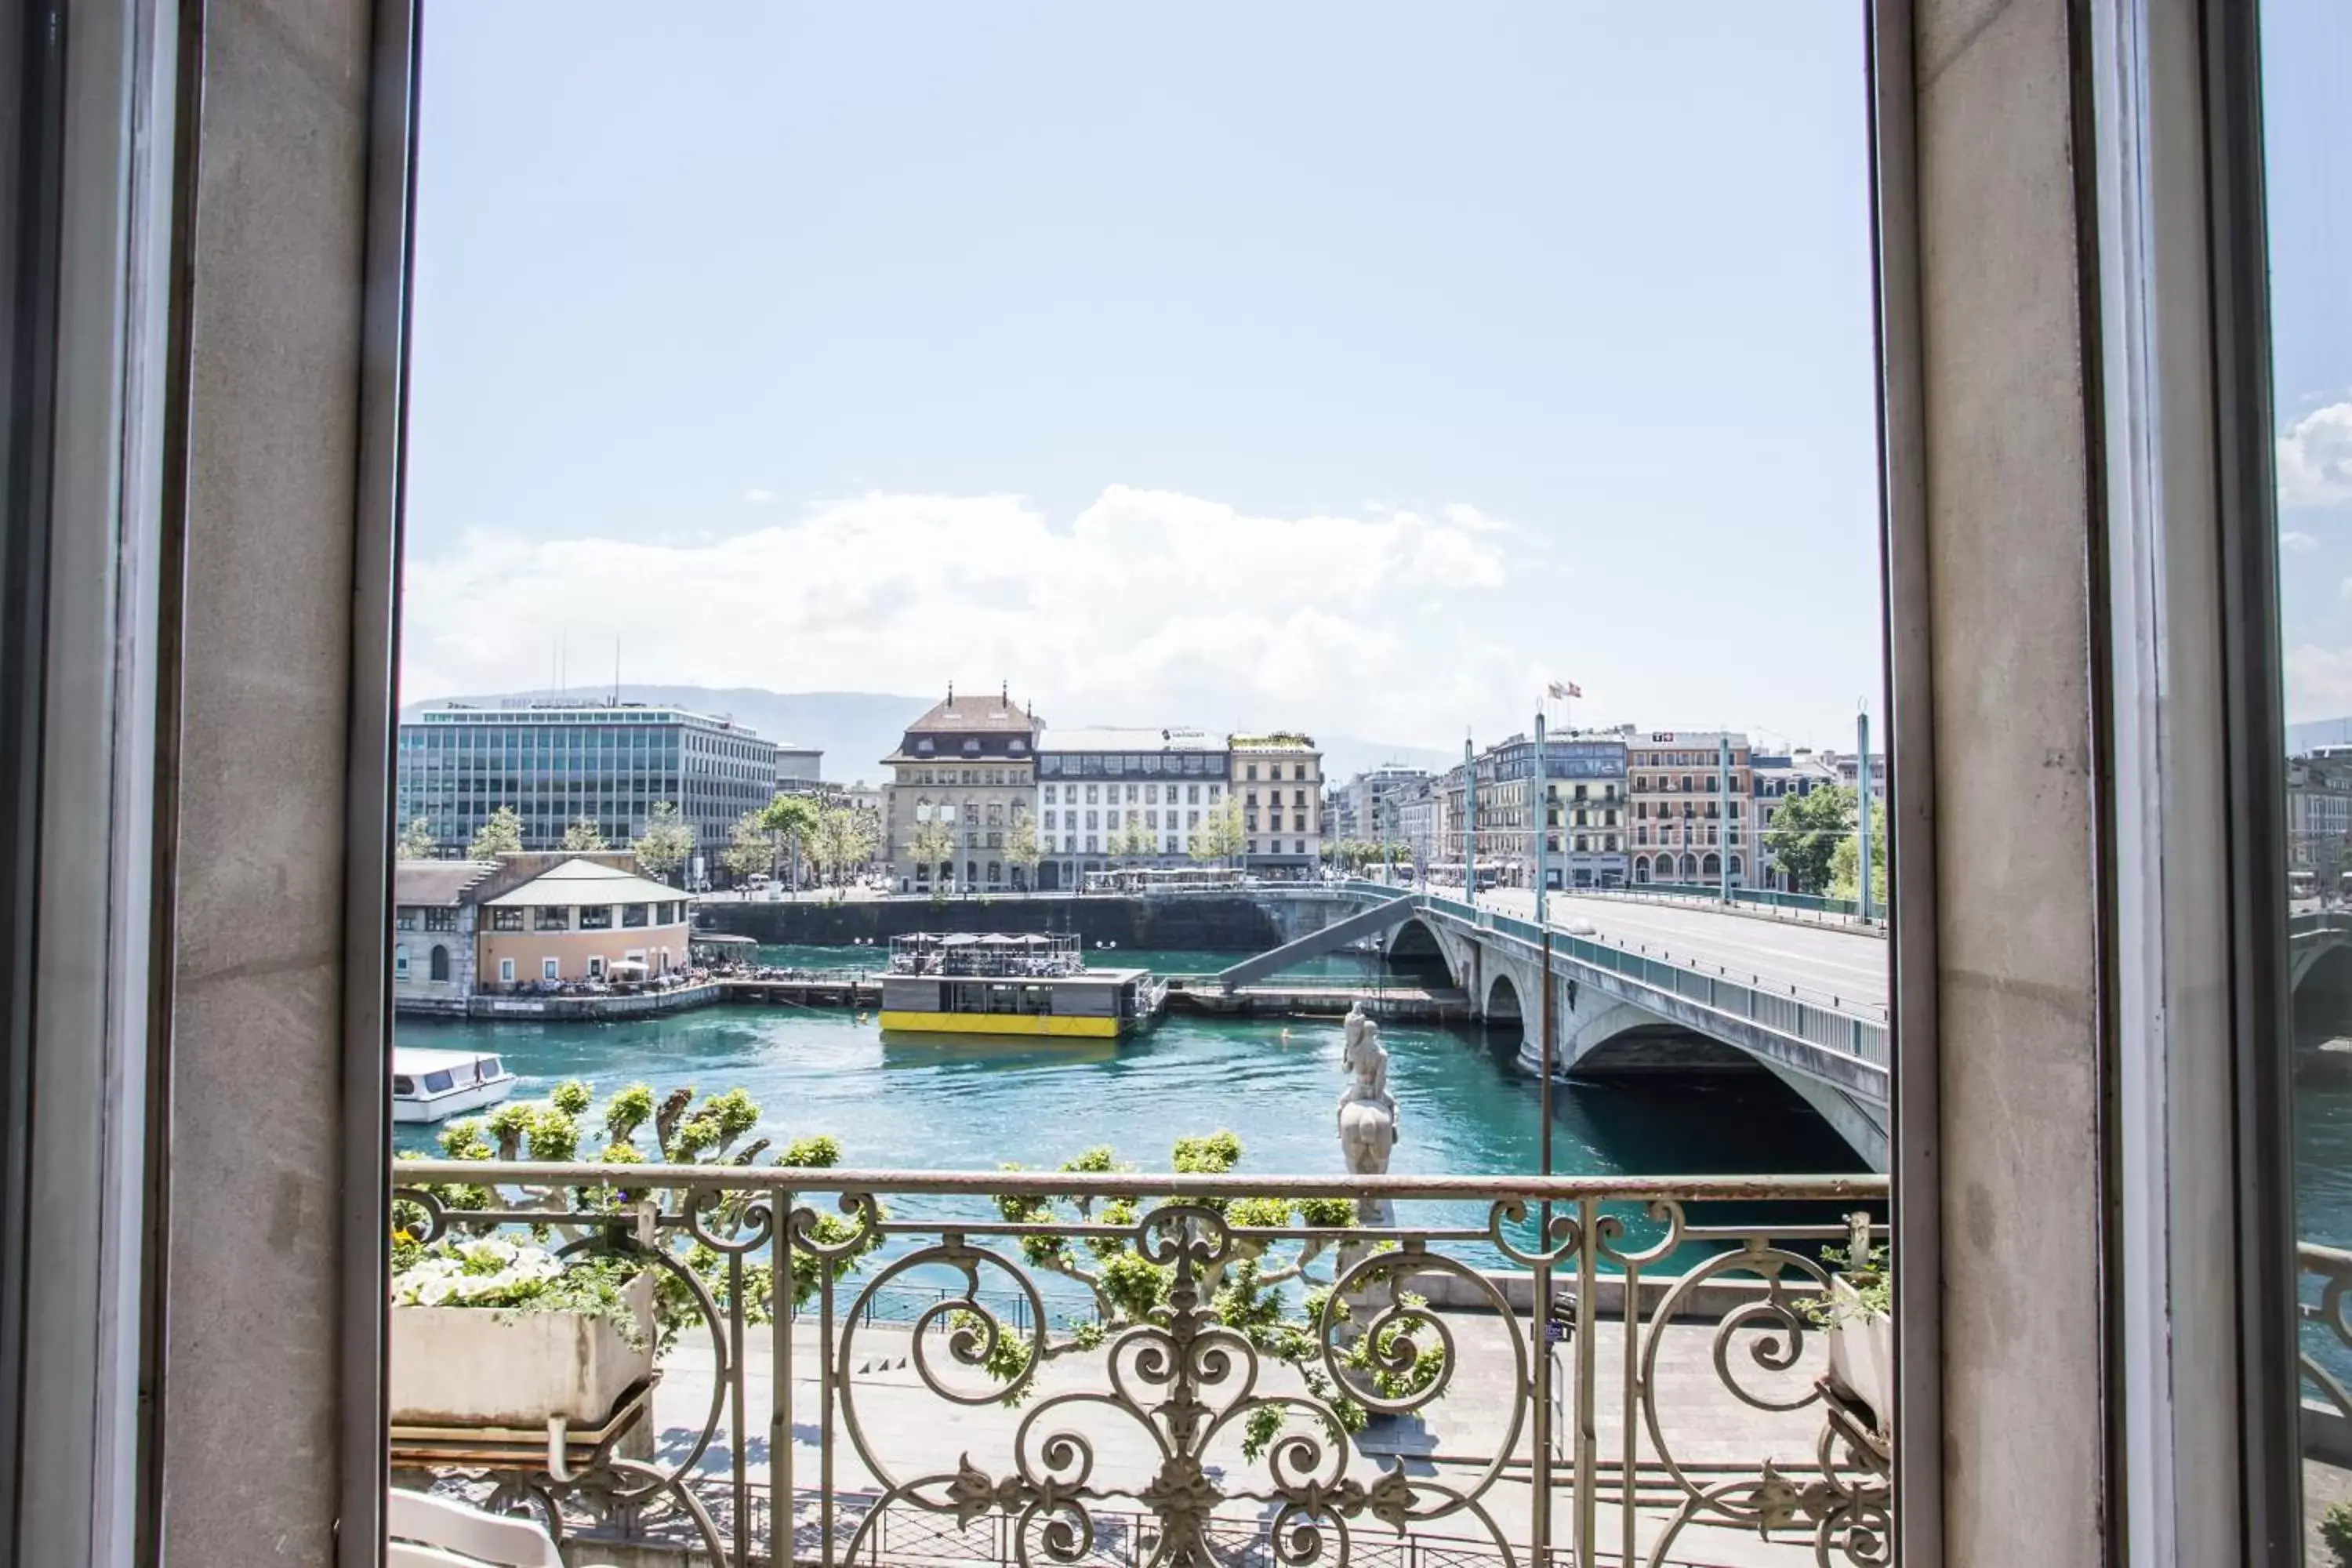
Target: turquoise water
<point x="961" y="1103"/>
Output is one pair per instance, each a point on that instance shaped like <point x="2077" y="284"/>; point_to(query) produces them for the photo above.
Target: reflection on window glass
<point x="1440" y="442"/>
<point x="2307" y="131"/>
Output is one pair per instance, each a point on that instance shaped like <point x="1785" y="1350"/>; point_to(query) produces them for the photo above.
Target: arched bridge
<point x="1680" y="989"/>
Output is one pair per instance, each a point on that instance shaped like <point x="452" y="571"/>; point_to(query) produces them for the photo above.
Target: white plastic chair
<point x="435" y="1532"/>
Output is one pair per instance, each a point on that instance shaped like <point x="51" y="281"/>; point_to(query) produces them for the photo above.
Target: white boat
<point x="432" y="1086"/>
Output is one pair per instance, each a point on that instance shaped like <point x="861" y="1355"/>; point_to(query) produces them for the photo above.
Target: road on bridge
<point x="1848" y="964"/>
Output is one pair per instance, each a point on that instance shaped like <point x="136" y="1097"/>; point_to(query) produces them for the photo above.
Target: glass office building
<point x="556" y="765"/>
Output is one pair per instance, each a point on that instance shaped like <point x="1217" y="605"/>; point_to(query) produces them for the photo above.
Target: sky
<point x="1342" y="365"/>
<point x="2307" y="139"/>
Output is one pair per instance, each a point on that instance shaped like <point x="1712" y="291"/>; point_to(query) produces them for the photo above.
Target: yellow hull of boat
<point x="1001" y="1023"/>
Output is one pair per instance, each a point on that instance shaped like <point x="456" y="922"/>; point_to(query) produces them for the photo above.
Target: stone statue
<point x="1367" y="1112"/>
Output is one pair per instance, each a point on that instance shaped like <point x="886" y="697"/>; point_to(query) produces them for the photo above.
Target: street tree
<point x="1021" y="846"/>
<point x="841" y="843"/>
<point x="1845" y="862"/>
<point x="748" y="849"/>
<point x="1219" y="836"/>
<point x="788" y="821"/>
<point x="584" y="836"/>
<point x="1805" y="832"/>
<point x="933" y="846"/>
<point x="667" y="843"/>
<point x="414" y="843"/>
<point x="501" y="834"/>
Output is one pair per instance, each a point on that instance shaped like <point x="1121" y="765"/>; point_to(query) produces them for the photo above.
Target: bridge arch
<point x="2322" y="991"/>
<point x="1502" y="1004"/>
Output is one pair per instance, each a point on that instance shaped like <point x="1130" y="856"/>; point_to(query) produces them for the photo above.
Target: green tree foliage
<point x="1021" y="846"/>
<point x="1805" y="832"/>
<point x="667" y="843"/>
<point x="748" y="849"/>
<point x="789" y="821"/>
<point x="414" y="843"/>
<point x="501" y="834"/>
<point x="1269" y="1290"/>
<point x="1220" y="835"/>
<point x="933" y="843"/>
<point x="584" y="836"/>
<point x="1131" y="840"/>
<point x="841" y="844"/>
<point x="1846" y="862"/>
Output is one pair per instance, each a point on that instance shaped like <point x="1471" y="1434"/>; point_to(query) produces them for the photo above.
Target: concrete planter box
<point x="1862" y="1356"/>
<point x="502" y="1366"/>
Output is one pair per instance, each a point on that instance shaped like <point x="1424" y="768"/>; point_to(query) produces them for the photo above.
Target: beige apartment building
<point x="961" y="784"/>
<point x="1278" y="779"/>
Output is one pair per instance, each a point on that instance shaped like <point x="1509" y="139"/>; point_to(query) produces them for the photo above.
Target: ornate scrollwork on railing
<point x="1184" y="1382"/>
<point x="1213" y="1401"/>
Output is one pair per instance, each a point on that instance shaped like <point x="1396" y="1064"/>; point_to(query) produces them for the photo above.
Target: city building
<point x="463" y="927"/>
<point x="1279" y="778"/>
<point x="1575" y="796"/>
<point x="1352" y="810"/>
<point x="962" y="781"/>
<point x="798" y="767"/>
<point x="2319" y="818"/>
<point x="557" y="762"/>
<point x="1415" y="808"/>
<point x="1848" y="769"/>
<point x="1588" y="825"/>
<point x="1776" y="778"/>
<point x="1105" y="794"/>
<point x="1687" y="826"/>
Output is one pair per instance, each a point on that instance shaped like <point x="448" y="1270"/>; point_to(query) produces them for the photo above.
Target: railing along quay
<point x="1133" y="1371"/>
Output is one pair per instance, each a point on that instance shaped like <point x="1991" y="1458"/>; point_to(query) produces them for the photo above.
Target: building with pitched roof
<point x="961" y="782"/>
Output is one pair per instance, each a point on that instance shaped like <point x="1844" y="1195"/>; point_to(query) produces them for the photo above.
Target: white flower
<point x="487" y="1249"/>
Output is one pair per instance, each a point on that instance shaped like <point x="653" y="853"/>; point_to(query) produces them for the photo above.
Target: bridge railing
<point x="1828" y="1024"/>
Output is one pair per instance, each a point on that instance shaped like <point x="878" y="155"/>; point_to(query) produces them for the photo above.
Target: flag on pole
<point x="1563" y="689"/>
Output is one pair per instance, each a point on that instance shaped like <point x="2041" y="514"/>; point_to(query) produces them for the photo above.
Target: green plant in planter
<point x="1871" y="1280"/>
<point x="1249" y="1291"/>
<point x="2336" y="1531"/>
<point x="682" y="1133"/>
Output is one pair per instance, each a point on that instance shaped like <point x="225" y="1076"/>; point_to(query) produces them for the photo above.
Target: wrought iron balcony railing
<point x="1109" y="1368"/>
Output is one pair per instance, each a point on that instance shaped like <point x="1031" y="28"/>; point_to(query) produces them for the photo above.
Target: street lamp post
<point x="1469" y="823"/>
<point x="1862" y="814"/>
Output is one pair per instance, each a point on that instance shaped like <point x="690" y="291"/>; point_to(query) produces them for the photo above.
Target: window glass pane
<point x="2307" y="125"/>
<point x="1047" y="406"/>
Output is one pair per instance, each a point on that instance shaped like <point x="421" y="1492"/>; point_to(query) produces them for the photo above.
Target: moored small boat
<point x="433" y="1086"/>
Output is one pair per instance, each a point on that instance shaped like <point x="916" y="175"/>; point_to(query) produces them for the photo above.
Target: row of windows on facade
<point x="436" y="968"/>
<point x="993" y="778"/>
<point x="1149" y="793"/>
<point x="971" y="811"/>
<point x="479" y="744"/>
<point x="549" y="917"/>
<point x="1704" y="783"/>
<point x="1068" y="819"/>
<point x="1091" y="844"/>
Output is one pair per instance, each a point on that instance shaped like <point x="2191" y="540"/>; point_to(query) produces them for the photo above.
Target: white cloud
<point x="2318" y="683"/>
<point x="1149" y="606"/>
<point x="2315" y="459"/>
<point x="755" y="495"/>
<point x="2297" y="542"/>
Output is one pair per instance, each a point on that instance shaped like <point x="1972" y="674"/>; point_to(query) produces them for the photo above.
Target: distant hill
<point x="856" y="729"/>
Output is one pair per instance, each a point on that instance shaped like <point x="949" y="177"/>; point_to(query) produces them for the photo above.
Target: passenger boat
<point x="962" y="983"/>
<point x="433" y="1086"/>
